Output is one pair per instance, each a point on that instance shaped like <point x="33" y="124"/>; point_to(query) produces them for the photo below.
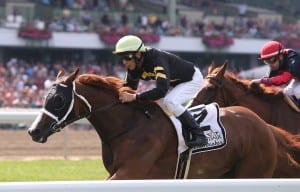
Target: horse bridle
<point x="59" y="124"/>
<point x="220" y="84"/>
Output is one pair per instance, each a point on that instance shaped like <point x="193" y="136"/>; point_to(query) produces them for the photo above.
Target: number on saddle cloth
<point x="199" y="116"/>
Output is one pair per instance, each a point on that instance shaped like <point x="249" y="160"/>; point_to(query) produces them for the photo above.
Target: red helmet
<point x="271" y="49"/>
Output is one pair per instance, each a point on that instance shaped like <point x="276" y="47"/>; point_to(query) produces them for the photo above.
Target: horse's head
<point x="57" y="108"/>
<point x="213" y="84"/>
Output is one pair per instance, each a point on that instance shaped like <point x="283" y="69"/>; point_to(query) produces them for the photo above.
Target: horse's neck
<point x="244" y="97"/>
<point x="103" y="102"/>
<point x="114" y="121"/>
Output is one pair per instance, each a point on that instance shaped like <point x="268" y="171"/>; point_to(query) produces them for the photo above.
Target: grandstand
<point x="38" y="37"/>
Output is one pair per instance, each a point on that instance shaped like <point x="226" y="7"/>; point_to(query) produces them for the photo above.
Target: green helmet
<point x="129" y="43"/>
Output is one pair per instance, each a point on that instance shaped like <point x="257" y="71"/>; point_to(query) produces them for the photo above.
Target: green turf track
<point x="52" y="170"/>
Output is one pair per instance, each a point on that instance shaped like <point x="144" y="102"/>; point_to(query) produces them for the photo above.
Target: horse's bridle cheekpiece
<point x="59" y="104"/>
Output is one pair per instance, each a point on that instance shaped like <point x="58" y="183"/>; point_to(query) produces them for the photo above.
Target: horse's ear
<point x="223" y="69"/>
<point x="211" y="67"/>
<point x="225" y="63"/>
<point x="72" y="76"/>
<point x="60" y="74"/>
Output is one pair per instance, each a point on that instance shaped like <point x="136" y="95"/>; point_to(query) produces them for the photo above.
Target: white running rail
<point x="206" y="185"/>
<point x="22" y="115"/>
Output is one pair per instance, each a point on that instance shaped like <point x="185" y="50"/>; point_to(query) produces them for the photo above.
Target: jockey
<point x="285" y="68"/>
<point x="177" y="81"/>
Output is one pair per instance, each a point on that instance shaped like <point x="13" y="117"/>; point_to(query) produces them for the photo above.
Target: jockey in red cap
<point x="285" y="68"/>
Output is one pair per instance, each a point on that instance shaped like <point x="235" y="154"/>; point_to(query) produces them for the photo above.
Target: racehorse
<point x="227" y="90"/>
<point x="139" y="145"/>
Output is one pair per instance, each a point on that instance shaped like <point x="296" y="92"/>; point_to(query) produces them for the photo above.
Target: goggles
<point x="270" y="61"/>
<point x="127" y="57"/>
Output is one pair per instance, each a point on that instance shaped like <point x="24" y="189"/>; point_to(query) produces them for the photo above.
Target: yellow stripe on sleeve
<point x="158" y="68"/>
<point x="161" y="75"/>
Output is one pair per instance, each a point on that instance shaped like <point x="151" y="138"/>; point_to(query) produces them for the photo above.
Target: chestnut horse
<point x="227" y="90"/>
<point x="139" y="145"/>
<point x="267" y="102"/>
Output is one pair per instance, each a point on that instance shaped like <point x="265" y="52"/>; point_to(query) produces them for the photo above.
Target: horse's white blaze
<point x="36" y="121"/>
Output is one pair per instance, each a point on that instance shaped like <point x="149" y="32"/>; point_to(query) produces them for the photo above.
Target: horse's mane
<point x="112" y="83"/>
<point x="116" y="85"/>
<point x="260" y="90"/>
<point x="256" y="88"/>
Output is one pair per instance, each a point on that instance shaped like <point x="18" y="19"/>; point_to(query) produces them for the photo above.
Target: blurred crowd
<point x="24" y="84"/>
<point x="116" y="16"/>
<point x="242" y="26"/>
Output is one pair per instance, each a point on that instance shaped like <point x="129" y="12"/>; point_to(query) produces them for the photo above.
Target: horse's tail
<point x="288" y="144"/>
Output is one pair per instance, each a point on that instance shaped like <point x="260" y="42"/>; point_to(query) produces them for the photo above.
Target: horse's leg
<point x="255" y="165"/>
<point x="134" y="163"/>
<point x="150" y="165"/>
<point x="107" y="158"/>
<point x="286" y="167"/>
<point x="249" y="169"/>
<point x="129" y="172"/>
<point x="146" y="168"/>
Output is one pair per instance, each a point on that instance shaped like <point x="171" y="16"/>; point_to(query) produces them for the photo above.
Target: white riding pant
<point x="182" y="93"/>
<point x="293" y="88"/>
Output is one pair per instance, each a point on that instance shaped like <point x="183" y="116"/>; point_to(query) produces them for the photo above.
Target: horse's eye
<point x="58" y="101"/>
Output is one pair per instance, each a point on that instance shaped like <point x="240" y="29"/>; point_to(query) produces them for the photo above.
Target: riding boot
<point x="193" y="129"/>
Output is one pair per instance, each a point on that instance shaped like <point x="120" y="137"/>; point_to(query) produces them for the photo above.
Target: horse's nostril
<point x="34" y="132"/>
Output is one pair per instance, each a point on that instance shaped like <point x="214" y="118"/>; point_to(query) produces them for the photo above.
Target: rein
<point x="57" y="127"/>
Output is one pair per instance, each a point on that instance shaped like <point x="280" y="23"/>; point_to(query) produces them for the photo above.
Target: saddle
<point x="293" y="102"/>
